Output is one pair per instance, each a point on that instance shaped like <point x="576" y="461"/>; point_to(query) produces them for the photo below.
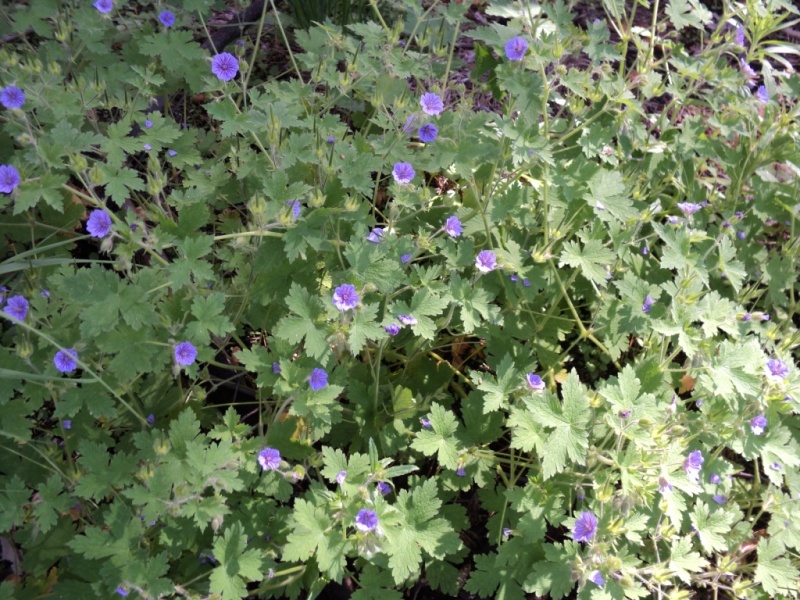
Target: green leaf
<point x="13" y="498"/>
<point x="687" y="13"/>
<point x="775" y="572"/>
<point x="211" y="317"/>
<point x="103" y="472"/>
<point x="52" y="502"/>
<point x="499" y="389"/>
<point x="440" y="439"/>
<point x="593" y="260"/>
<point x="376" y="584"/>
<point x="569" y="420"/>
<point x="118" y="143"/>
<point x="308" y="313"/>
<point x="189" y="266"/>
<point x="473" y="303"/>
<point x="236" y="566"/>
<point x="553" y="576"/>
<point x="684" y="560"/>
<point x="363" y="327"/>
<point x="120" y="182"/>
<point x="712" y="525"/>
<point x="424" y="305"/>
<point x="47" y="188"/>
<point x="608" y="194"/>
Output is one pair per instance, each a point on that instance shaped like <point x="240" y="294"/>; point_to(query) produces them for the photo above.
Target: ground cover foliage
<point x="452" y="302"/>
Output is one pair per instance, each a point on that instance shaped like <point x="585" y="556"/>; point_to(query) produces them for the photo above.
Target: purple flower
<point x="506" y="532"/>
<point x="645" y="250"/>
<point x="715" y="479"/>
<point x="296" y="208"/>
<point x="340" y="477"/>
<point x="776" y="370"/>
<point x="172" y="152"/>
<point x="330" y="139"/>
<point x="407" y="319"/>
<point x="45" y="293"/>
<point x="762" y="95"/>
<point x="664" y="486"/>
<point x="269" y="459"/>
<point x="9" y="178"/>
<point x="647" y="306"/>
<point x="689" y="208"/>
<point x="276" y="368"/>
<point x="147" y="147"/>
<point x="148" y="123"/>
<point x="366" y="520"/>
<point x="765" y="316"/>
<point x="624" y="414"/>
<point x="585" y="527"/>
<point x="66" y="423"/>
<point x="106" y="6"/>
<point x="748" y="72"/>
<point x="758" y="424"/>
<point x="776" y="466"/>
<point x="431" y="104"/>
<point x="693" y="464"/>
<point x="719" y="498"/>
<point x="375" y="235"/>
<point x="12" y="97"/>
<point x="427" y="133"/>
<point x="384" y="488"/>
<point x="120" y="590"/>
<point x="167" y="18"/>
<point x="318" y="379"/>
<point x="452" y="227"/>
<point x="535" y="382"/>
<point x="516" y="48"/>
<point x="739" y="37"/>
<point x="596" y="577"/>
<point x="746" y="317"/>
<point x="98" y="224"/>
<point x="405" y="258"/>
<point x="741" y="235"/>
<point x="673" y="220"/>
<point x="392" y="329"/>
<point x="225" y="66"/>
<point x="409" y="125"/>
<point x="64" y="360"/>
<point x="151" y="419"/>
<point x="461" y="472"/>
<point x="425" y="422"/>
<point x="17" y="307"/>
<point x="486" y="261"/>
<point x="185" y="353"/>
<point x="513" y="277"/>
<point x="403" y="173"/>
<point x="345" y="297"/>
